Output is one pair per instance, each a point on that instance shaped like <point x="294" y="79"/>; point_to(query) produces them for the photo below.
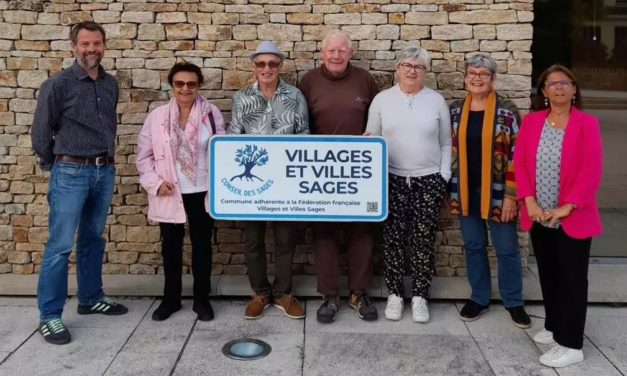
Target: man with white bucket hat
<point x="270" y="106"/>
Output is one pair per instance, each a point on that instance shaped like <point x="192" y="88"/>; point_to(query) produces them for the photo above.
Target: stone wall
<point x="147" y="37"/>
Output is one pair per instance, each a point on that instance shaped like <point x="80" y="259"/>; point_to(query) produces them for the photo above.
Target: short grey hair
<point x="481" y="61"/>
<point x="414" y="52"/>
<point x="336" y="34"/>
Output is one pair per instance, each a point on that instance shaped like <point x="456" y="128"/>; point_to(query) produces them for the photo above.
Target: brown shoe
<point x="289" y="305"/>
<point x="255" y="308"/>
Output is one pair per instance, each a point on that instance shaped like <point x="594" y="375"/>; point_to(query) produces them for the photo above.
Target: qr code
<point x="372" y="207"/>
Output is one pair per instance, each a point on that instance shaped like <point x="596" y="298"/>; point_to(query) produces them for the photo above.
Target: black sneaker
<point x="520" y="318"/>
<point x="165" y="310"/>
<point x="472" y="310"/>
<point x="360" y="302"/>
<point x="328" y="310"/>
<point x="203" y="308"/>
<point x="105" y="307"/>
<point x="55" y="332"/>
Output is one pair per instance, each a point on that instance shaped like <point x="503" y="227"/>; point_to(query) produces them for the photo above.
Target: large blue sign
<point x="301" y="178"/>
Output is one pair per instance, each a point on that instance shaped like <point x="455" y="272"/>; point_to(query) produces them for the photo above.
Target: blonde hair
<point x="336" y="34"/>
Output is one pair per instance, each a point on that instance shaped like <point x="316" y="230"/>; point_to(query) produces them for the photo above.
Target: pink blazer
<point x="155" y="164"/>
<point x="580" y="171"/>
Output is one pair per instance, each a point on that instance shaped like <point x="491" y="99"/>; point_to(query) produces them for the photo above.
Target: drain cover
<point x="246" y="349"/>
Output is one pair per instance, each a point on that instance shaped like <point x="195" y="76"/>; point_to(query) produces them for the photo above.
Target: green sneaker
<point x="55" y="332"/>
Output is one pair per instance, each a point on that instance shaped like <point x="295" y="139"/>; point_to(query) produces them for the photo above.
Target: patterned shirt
<point x="548" y="161"/>
<point x="75" y="115"/>
<point x="284" y="113"/>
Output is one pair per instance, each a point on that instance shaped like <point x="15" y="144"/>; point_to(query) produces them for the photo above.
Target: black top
<point x="473" y="142"/>
<point x="75" y="115"/>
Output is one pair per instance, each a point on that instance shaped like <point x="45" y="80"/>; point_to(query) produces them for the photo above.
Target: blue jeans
<point x="505" y="240"/>
<point x="79" y="196"/>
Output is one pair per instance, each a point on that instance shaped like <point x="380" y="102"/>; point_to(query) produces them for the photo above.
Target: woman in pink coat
<point x="172" y="160"/>
<point x="558" y="161"/>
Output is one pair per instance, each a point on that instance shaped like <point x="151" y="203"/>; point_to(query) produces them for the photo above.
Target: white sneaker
<point x="544" y="337"/>
<point x="560" y="356"/>
<point x="394" y="309"/>
<point x="419" y="309"/>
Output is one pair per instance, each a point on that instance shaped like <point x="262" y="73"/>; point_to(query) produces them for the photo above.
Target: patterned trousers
<point x="414" y="209"/>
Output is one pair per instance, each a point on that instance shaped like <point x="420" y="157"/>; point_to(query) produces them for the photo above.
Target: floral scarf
<point x="185" y="142"/>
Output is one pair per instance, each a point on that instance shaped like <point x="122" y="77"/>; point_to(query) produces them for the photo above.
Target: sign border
<point x="297" y="217"/>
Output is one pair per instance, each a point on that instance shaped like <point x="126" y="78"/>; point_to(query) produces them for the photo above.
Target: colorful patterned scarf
<point x="185" y="142"/>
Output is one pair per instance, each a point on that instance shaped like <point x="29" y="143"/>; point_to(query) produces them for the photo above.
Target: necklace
<point x="555" y="115"/>
<point x="410" y="98"/>
<point x="410" y="101"/>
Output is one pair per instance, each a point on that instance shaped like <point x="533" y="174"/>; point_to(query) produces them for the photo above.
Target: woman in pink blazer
<point x="172" y="160"/>
<point x="558" y="164"/>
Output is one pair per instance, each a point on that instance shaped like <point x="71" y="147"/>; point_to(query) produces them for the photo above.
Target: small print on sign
<point x="307" y="178"/>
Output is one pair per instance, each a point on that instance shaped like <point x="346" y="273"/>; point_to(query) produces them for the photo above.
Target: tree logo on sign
<point x="249" y="157"/>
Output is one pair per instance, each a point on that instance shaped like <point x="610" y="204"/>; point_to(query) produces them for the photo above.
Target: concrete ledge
<point x="608" y="284"/>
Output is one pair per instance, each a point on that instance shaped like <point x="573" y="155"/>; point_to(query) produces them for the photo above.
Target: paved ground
<point x="136" y="345"/>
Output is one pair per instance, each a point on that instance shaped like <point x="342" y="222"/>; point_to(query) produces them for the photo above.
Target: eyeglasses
<point x="408" y="67"/>
<point x="271" y="64"/>
<point x="482" y="75"/>
<point x="190" y="85"/>
<point x="554" y="84"/>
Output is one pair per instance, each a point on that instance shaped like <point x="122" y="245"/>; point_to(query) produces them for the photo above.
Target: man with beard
<point x="338" y="97"/>
<point x="73" y="134"/>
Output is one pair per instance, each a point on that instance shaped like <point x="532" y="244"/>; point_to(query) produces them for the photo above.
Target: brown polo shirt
<point x="338" y="105"/>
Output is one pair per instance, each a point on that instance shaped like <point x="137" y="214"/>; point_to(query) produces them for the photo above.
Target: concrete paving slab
<point x="595" y="362"/>
<point x="609" y="335"/>
<point x="304" y="285"/>
<point x="3" y="356"/>
<point x="16" y="325"/>
<point x="89" y="353"/>
<point x="155" y="346"/>
<point x="603" y="310"/>
<point x="18" y="302"/>
<point x="229" y="316"/>
<point x="203" y="355"/>
<point x="140" y="285"/>
<point x="114" y="285"/>
<point x="458" y="288"/>
<point x="357" y="354"/>
<point x="508" y="349"/>
<point x="610" y="243"/>
<point x="607" y="283"/>
<point x="137" y="309"/>
<point x="307" y="285"/>
<point x="444" y="321"/>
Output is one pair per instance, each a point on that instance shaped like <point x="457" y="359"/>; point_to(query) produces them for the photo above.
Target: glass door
<point x="590" y="37"/>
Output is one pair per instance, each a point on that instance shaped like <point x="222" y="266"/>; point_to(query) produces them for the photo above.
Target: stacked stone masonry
<point x="146" y="37"/>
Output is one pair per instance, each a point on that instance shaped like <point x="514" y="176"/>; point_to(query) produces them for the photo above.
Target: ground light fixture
<point x="246" y="349"/>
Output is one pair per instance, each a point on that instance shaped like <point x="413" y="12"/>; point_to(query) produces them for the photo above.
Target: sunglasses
<point x="190" y="85"/>
<point x="271" y="64"/>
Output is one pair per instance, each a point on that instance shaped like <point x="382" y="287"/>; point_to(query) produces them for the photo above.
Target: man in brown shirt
<point x="338" y="97"/>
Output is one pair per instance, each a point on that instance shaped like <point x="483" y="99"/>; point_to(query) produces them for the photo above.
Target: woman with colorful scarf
<point x="483" y="189"/>
<point x="172" y="160"/>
